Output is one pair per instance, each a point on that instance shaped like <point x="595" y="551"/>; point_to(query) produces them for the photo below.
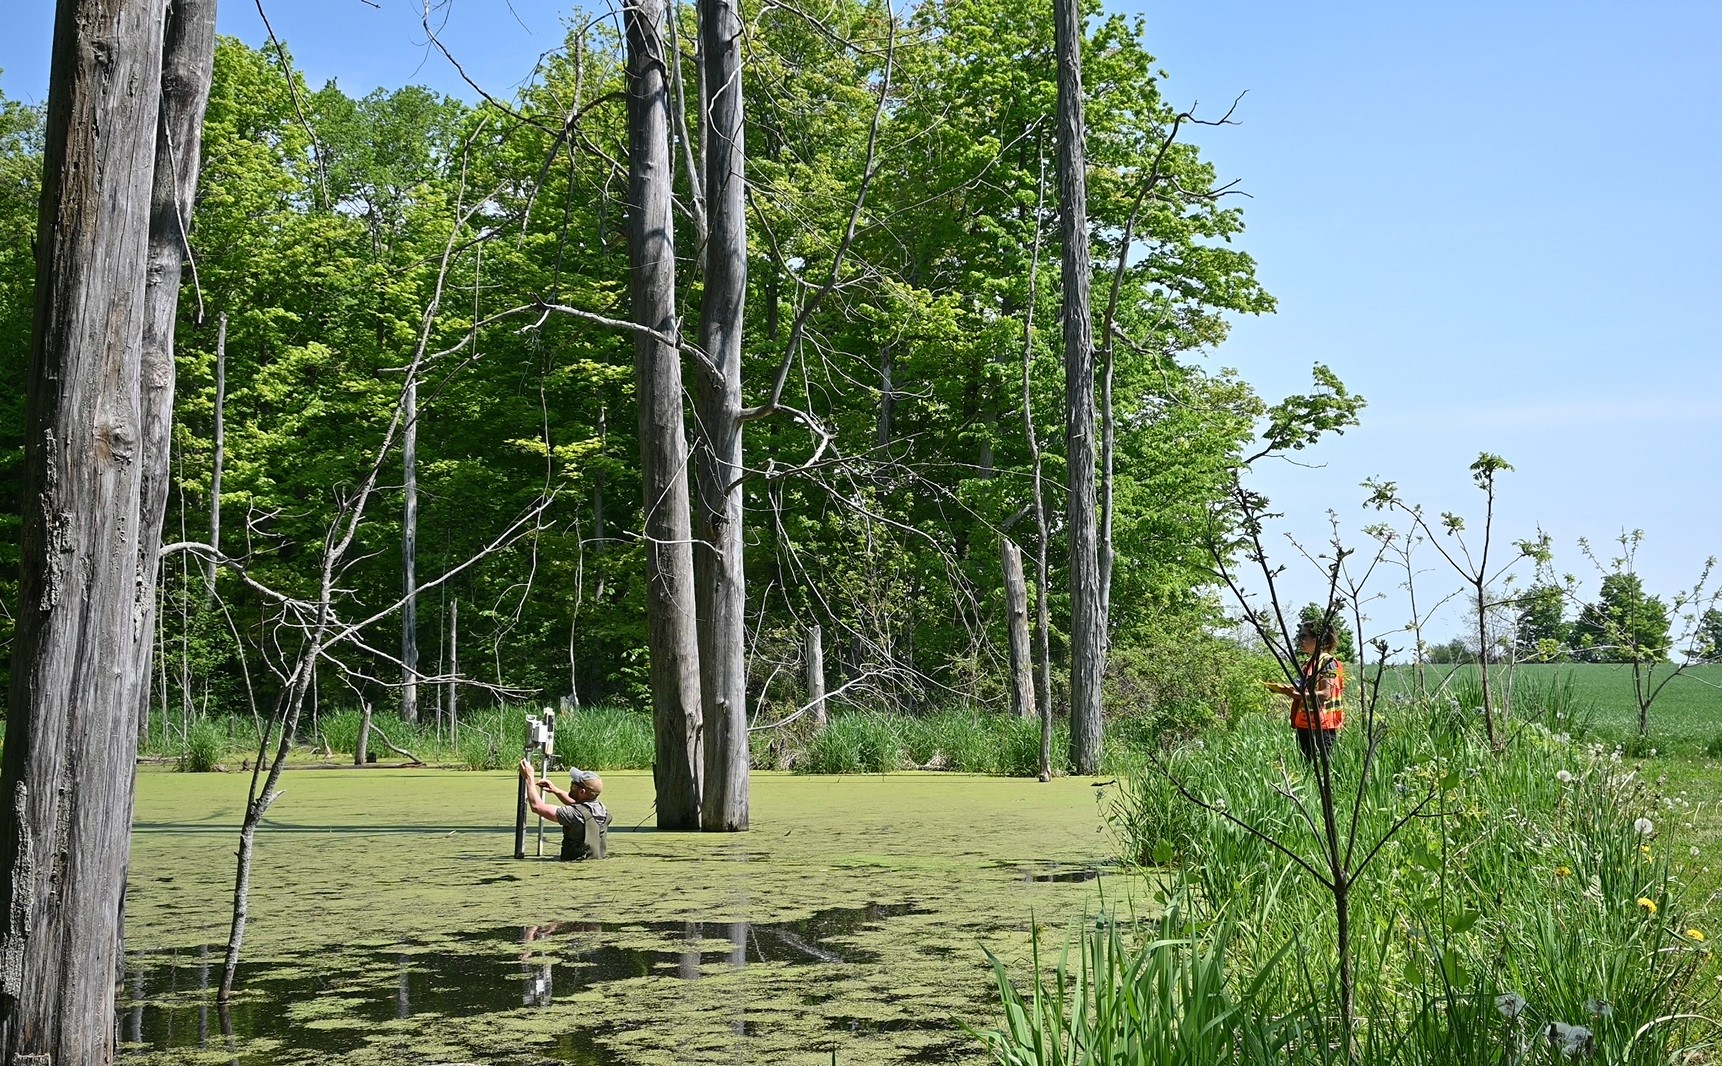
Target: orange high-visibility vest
<point x="1333" y="710"/>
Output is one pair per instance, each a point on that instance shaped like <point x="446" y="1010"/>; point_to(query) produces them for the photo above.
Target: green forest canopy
<point x="322" y="248"/>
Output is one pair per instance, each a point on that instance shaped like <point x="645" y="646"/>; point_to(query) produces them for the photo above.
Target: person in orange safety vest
<point x="1323" y="676"/>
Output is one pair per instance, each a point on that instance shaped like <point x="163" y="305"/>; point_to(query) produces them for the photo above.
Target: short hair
<point x="1319" y="630"/>
<point x="587" y="780"/>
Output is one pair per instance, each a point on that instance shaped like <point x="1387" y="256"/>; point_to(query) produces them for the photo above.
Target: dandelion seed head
<point x="1510" y="1004"/>
<point x="1571" y="1040"/>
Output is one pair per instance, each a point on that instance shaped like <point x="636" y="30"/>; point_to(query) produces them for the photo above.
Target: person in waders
<point x="584" y="821"/>
<point x="1323" y="676"/>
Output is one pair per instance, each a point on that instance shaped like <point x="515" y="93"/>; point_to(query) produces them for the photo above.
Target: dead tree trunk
<point x="454" y="674"/>
<point x="1087" y="622"/>
<point x="409" y="552"/>
<point x="671" y="634"/>
<point x="362" y="747"/>
<point x="816" y="677"/>
<point x="290" y="703"/>
<point x="219" y="439"/>
<point x="1108" y="443"/>
<point x="1042" y="602"/>
<point x="887" y="397"/>
<point x="188" y="64"/>
<point x="1016" y="611"/>
<point x="71" y="729"/>
<point x="718" y="555"/>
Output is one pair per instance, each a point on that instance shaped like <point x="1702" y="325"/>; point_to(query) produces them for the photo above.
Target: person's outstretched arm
<point x="534" y="801"/>
<point x="555" y="791"/>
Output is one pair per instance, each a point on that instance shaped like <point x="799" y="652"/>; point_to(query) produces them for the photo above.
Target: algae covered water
<point x="390" y="922"/>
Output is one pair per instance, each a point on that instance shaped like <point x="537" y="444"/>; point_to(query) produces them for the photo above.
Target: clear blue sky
<point x="1498" y="222"/>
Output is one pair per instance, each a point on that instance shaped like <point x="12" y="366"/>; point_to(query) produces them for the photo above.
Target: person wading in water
<point x="584" y="821"/>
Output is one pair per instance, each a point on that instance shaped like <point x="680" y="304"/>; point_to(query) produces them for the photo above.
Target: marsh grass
<point x="203" y="748"/>
<point x="863" y="741"/>
<point x="597" y="738"/>
<point x="1532" y="911"/>
<point x="1130" y="996"/>
<point x="957" y="739"/>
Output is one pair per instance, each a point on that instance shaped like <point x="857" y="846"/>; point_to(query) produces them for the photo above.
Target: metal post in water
<point x="543" y="769"/>
<point x="520" y="811"/>
<point x="545" y="749"/>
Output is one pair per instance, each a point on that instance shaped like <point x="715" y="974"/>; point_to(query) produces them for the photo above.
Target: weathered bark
<point x="600" y="528"/>
<point x="679" y="109"/>
<point x="887" y="396"/>
<point x="1108" y="441"/>
<point x="1016" y="619"/>
<point x="219" y="440"/>
<point x="1042" y="607"/>
<point x="409" y="550"/>
<point x="454" y="674"/>
<point x="188" y="63"/>
<point x="362" y="748"/>
<point x="1087" y="622"/>
<point x="816" y="676"/>
<point x="71" y="730"/>
<point x="671" y="635"/>
<point x="718" y="555"/>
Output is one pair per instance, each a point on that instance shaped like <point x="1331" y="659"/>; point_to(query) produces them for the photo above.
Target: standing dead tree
<point x="1043" y="608"/>
<point x="188" y="64"/>
<point x="1087" y="622"/>
<point x="98" y="397"/>
<point x="720" y="584"/>
<point x="671" y="636"/>
<point x="1016" y="621"/>
<point x="409" y="550"/>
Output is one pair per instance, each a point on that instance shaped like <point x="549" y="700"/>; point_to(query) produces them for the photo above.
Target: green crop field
<point x="1686" y="716"/>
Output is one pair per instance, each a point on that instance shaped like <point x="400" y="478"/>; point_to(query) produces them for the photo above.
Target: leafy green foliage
<point x="1623" y="625"/>
<point x="1543" y="631"/>
<point x="1539" y="886"/>
<point x="1708" y="645"/>
<point x="337" y="242"/>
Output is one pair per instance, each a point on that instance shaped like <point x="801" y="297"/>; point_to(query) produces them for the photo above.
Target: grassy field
<point x="1686" y="717"/>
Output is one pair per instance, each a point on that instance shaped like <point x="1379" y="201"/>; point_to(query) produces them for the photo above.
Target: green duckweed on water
<point x="389" y="921"/>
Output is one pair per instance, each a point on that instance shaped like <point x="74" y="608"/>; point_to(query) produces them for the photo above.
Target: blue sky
<point x="1496" y="221"/>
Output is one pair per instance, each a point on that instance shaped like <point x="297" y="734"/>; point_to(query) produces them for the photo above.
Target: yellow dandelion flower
<point x="1696" y="935"/>
<point x="1563" y="871"/>
<point x="1648" y="904"/>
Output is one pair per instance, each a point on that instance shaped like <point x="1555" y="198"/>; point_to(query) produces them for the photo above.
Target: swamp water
<point x="389" y="922"/>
